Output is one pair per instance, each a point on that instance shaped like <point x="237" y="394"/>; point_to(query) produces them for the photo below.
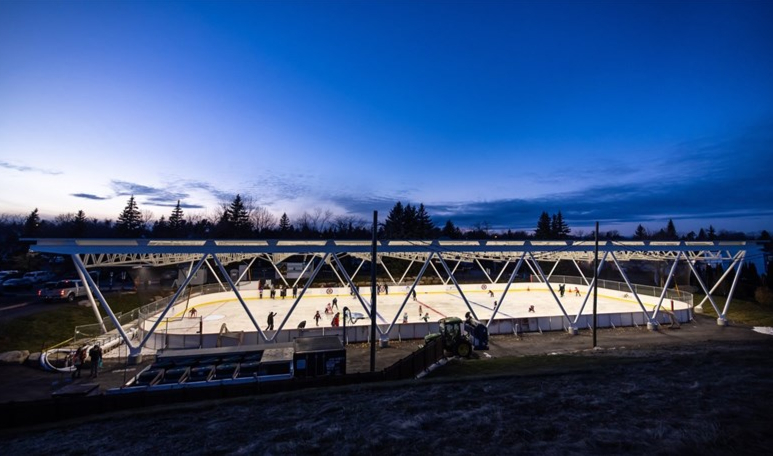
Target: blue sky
<point x="487" y="112"/>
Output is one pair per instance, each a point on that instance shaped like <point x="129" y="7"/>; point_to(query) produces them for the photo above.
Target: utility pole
<point x="595" y="282"/>
<point x="373" y="264"/>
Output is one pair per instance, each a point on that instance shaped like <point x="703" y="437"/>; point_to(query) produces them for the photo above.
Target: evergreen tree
<point x="451" y="231"/>
<point x="395" y="222"/>
<point x="79" y="224"/>
<point x="544" y="227"/>
<point x="701" y="235"/>
<point x="712" y="235"/>
<point x="31" y="224"/>
<point x="177" y="221"/>
<point x="671" y="233"/>
<point x="284" y="225"/>
<point x="238" y="218"/>
<point x="161" y="228"/>
<point x="130" y="220"/>
<point x="425" y="227"/>
<point x="640" y="233"/>
<point x="558" y="227"/>
<point x="410" y="225"/>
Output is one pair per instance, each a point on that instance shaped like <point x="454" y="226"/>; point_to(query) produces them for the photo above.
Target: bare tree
<point x="316" y="221"/>
<point x="263" y="219"/>
<point x="147" y="218"/>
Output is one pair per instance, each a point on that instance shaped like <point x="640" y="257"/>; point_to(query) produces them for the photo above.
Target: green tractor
<point x="451" y="335"/>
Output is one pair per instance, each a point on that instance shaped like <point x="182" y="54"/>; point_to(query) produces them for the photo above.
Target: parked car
<point x="5" y="274"/>
<point x="17" y="283"/>
<point x="63" y="289"/>
<point x="11" y="275"/>
<point x="38" y="276"/>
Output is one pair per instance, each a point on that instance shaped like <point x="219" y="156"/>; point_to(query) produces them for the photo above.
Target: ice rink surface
<point x="396" y="307"/>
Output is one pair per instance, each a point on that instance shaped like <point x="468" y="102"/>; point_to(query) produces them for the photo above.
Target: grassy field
<point x="53" y="326"/>
<point x="742" y="312"/>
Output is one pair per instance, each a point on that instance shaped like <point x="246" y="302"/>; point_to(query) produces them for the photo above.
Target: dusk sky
<point x="620" y="112"/>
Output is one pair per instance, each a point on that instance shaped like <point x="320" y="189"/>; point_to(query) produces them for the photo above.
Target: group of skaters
<point x="562" y="290"/>
<point x="272" y="291"/>
<point x="78" y="359"/>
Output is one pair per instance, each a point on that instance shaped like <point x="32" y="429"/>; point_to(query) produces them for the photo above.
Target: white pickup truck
<point x="64" y="289"/>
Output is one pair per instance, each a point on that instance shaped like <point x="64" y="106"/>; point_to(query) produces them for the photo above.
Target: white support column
<point x="699" y="307"/>
<point x="592" y="284"/>
<point x="651" y="324"/>
<point x="241" y="276"/>
<point x="238" y="295"/>
<point x="386" y="269"/>
<point x="735" y="262"/>
<point x="90" y="296"/>
<point x="722" y="319"/>
<point x="305" y="268"/>
<point x="453" y="271"/>
<point x="219" y="282"/>
<point x="572" y="328"/>
<point x="351" y="279"/>
<point x="170" y="304"/>
<point x="365" y="304"/>
<point x="665" y="287"/>
<point x="585" y="279"/>
<point x="534" y="271"/>
<point x="507" y="287"/>
<point x="456" y="284"/>
<point x="335" y="271"/>
<point x="437" y="272"/>
<point x="127" y="340"/>
<point x="413" y="260"/>
<point x="278" y="272"/>
<point x="410" y="291"/>
<point x="484" y="270"/>
<point x="303" y="291"/>
<point x="555" y="265"/>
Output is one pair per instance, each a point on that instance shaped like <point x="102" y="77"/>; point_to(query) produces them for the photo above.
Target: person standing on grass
<point x="95" y="354"/>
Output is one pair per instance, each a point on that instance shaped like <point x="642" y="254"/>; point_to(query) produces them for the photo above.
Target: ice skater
<point x="405" y="317"/>
<point x="317" y="318"/>
<point x="270" y="321"/>
<point x="577" y="291"/>
<point x="192" y="313"/>
<point x="335" y="303"/>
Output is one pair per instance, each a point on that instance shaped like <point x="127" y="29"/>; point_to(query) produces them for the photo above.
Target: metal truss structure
<point x="93" y="253"/>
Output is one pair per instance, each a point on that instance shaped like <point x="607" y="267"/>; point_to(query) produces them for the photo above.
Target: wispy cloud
<point x="90" y="196"/>
<point x="28" y="169"/>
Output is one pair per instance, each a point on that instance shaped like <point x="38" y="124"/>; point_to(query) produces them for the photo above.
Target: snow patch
<point x="214" y="317"/>
<point x="764" y="330"/>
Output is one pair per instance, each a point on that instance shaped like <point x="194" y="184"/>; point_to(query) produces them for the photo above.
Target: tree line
<point x="243" y="219"/>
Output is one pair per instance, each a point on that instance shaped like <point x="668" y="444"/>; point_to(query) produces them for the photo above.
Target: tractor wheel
<point x="464" y="349"/>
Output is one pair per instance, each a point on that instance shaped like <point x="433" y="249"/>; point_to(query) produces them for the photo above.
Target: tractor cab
<point x="452" y="337"/>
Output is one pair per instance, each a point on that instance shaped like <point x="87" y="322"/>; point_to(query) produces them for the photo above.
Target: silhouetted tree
<point x="544" y="226"/>
<point x="31" y="224"/>
<point x="130" y="220"/>
<point x="177" y="222"/>
<point x="671" y="231"/>
<point x="640" y="233"/>
<point x="558" y="227"/>
<point x="451" y="231"/>
<point x="284" y="225"/>
<point x="394" y="225"/>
